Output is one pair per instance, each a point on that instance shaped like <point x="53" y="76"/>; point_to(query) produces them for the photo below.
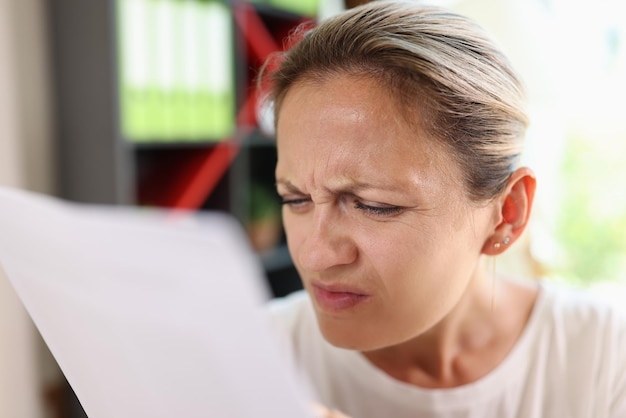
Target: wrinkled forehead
<point x="350" y="127"/>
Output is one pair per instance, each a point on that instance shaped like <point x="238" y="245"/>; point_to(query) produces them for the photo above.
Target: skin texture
<point x="375" y="210"/>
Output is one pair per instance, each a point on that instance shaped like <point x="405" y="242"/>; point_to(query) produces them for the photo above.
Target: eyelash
<point x="378" y="211"/>
<point x="294" y="202"/>
<point x="370" y="210"/>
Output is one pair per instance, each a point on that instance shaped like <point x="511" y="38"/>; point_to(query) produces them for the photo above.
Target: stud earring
<point x="505" y="241"/>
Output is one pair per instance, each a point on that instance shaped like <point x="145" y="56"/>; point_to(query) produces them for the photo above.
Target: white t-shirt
<point x="570" y="362"/>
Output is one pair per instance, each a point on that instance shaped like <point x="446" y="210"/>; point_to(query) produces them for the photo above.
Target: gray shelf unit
<point x="96" y="163"/>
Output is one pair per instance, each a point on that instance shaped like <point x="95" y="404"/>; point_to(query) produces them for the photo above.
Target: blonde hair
<point x="444" y="70"/>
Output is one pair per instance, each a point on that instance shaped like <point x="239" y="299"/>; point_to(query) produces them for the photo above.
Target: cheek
<point x="422" y="274"/>
<point x="396" y="249"/>
<point x="426" y="260"/>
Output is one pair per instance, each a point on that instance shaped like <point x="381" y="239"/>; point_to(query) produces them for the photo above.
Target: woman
<point x="398" y="133"/>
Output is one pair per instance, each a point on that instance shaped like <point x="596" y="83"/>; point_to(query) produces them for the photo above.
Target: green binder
<point x="303" y="7"/>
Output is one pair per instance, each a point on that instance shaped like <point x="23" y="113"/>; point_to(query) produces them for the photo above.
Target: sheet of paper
<point x="149" y="314"/>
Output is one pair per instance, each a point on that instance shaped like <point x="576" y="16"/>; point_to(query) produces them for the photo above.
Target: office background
<point x="572" y="56"/>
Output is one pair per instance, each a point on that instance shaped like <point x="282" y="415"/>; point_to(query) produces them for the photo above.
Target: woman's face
<point x="377" y="219"/>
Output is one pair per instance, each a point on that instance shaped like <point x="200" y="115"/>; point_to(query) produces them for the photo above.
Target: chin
<point x="367" y="334"/>
<point x="349" y="335"/>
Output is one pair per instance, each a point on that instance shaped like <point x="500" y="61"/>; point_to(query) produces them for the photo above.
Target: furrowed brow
<point x="348" y="188"/>
<point x="288" y="185"/>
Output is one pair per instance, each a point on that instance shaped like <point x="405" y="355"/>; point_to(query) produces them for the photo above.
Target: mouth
<point x="336" y="298"/>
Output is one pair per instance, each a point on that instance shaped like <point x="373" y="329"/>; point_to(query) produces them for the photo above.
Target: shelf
<point x="244" y="137"/>
<point x="98" y="162"/>
<point x="276" y="12"/>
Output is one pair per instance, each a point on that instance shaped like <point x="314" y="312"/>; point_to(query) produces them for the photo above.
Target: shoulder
<point x="580" y="321"/>
<point x="585" y="338"/>
<point x="578" y="312"/>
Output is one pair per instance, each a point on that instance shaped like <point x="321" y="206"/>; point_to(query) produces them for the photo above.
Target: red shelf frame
<point x="198" y="180"/>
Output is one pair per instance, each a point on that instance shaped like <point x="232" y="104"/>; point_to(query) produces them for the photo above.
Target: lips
<point x="337" y="298"/>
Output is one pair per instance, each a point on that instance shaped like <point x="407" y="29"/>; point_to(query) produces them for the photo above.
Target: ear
<point x="514" y="207"/>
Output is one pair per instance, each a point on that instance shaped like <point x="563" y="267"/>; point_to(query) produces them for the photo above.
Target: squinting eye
<point x="378" y="210"/>
<point x="295" y="203"/>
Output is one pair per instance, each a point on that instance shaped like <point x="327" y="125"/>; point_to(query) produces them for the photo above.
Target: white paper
<point x="149" y="314"/>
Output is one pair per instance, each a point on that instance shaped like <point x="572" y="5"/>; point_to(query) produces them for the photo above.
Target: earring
<point x="505" y="241"/>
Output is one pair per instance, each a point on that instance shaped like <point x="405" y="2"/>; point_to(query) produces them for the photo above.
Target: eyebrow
<point x="352" y="188"/>
<point x="288" y="185"/>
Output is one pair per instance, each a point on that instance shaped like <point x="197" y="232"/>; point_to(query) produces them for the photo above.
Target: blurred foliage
<point x="591" y="228"/>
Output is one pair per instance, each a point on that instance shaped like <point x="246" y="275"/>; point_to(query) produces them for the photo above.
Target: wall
<point x="26" y="161"/>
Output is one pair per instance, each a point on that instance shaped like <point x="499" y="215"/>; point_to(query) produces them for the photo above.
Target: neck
<point x="467" y="343"/>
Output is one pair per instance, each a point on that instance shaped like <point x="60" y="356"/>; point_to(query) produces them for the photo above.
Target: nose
<point x="328" y="244"/>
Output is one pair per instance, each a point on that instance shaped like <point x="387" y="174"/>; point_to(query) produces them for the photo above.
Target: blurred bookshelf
<point x="156" y="101"/>
<point x="156" y="107"/>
